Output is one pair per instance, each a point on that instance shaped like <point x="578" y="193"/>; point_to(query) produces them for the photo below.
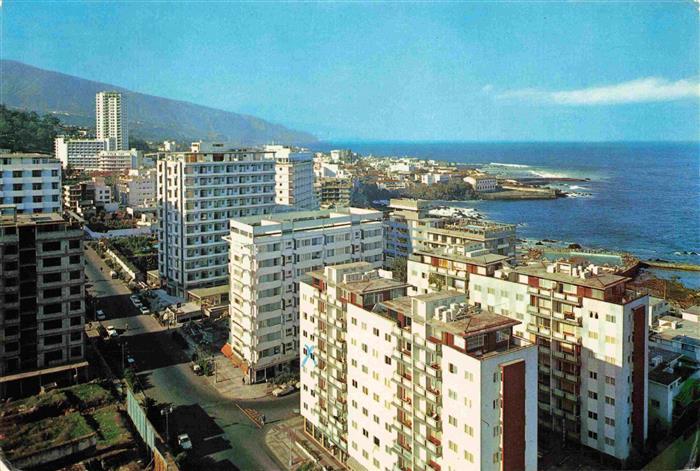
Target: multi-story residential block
<point x="30" y="182"/>
<point x="110" y="119"/>
<point x="197" y="194"/>
<point x="119" y="160"/>
<point x="87" y="194"/>
<point x="138" y="189"/>
<point x="592" y="333"/>
<point x="397" y="227"/>
<point x="82" y="154"/>
<point x="429" y="270"/>
<point x="42" y="300"/>
<point x="410" y="226"/>
<point x="294" y="177"/>
<point x="269" y="254"/>
<point x="334" y="192"/>
<point x="391" y="381"/>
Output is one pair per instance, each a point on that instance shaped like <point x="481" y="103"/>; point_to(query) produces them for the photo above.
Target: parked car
<point x="197" y="369"/>
<point x="282" y="390"/>
<point x="113" y="274"/>
<point x="112" y="332"/>
<point x="184" y="441"/>
<point x="144" y="310"/>
<point x="130" y="361"/>
<point x="100" y="315"/>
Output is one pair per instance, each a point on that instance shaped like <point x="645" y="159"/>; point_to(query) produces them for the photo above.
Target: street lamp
<point x="166" y="411"/>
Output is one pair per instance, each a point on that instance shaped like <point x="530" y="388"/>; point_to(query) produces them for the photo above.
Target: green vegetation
<point x="363" y="195"/>
<point x="436" y="280"/>
<point x="90" y="395"/>
<point x="111" y="429"/>
<point x="454" y="190"/>
<point x="22" y="131"/>
<point x="100" y="223"/>
<point x="139" y="250"/>
<point x="27" y="438"/>
<point x="399" y="268"/>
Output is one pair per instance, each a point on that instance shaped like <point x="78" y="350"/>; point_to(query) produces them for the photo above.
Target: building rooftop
<point x="213" y="291"/>
<point x="475" y="322"/>
<point x="9" y="216"/>
<point x="25" y="155"/>
<point x="685" y="331"/>
<point x="301" y="216"/>
<point x="600" y="281"/>
<point x="448" y="252"/>
<point x="664" y="366"/>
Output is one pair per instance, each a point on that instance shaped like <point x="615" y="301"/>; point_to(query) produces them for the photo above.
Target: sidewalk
<point x="228" y="380"/>
<point x="292" y="448"/>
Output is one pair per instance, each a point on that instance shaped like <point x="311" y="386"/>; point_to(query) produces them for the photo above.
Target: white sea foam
<point x="499" y="164"/>
<point x="542" y="174"/>
<point x="577" y="187"/>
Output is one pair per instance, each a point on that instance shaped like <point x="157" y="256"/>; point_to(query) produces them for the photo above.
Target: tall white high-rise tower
<point x="110" y="117"/>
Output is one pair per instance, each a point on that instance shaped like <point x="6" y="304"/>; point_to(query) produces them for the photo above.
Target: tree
<point x="436" y="280"/>
<point x="399" y="268"/>
<point x="22" y="131"/>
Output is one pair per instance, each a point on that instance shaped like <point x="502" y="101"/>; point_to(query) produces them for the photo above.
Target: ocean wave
<point x="577" y="187"/>
<point x="541" y="174"/>
<point x="499" y="164"/>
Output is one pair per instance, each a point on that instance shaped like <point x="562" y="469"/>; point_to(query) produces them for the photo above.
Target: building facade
<point x="482" y="183"/>
<point x="591" y="333"/>
<point x="30" y="182"/>
<point x="82" y="154"/>
<point x="398" y="382"/>
<point x="269" y="254"/>
<point x="119" y="160"/>
<point x="294" y="177"/>
<point x="110" y="119"/>
<point x="42" y="296"/>
<point x="138" y="189"/>
<point x="197" y="194"/>
<point x="333" y="192"/>
<point x="94" y="193"/>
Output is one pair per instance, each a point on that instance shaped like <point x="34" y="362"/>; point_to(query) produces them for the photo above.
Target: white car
<point x="100" y="315"/>
<point x="144" y="310"/>
<point x="184" y="441"/>
<point x="130" y="361"/>
<point x="112" y="332"/>
<point x="136" y="302"/>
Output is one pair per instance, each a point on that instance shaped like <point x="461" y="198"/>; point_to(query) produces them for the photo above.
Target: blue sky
<point x="408" y="71"/>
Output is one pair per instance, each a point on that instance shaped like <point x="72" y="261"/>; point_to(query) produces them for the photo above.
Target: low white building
<point x="138" y="189"/>
<point x="482" y="183"/>
<point x="119" y="160"/>
<point x="433" y="178"/>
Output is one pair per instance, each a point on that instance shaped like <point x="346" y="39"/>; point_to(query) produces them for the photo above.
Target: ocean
<point x="642" y="198"/>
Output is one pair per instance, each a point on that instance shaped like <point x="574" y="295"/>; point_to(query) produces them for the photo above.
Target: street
<point x="221" y="433"/>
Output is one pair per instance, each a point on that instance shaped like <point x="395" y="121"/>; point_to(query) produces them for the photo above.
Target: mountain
<point x="72" y="99"/>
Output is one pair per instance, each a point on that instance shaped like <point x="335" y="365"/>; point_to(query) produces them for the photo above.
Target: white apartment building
<point x="592" y="337"/>
<point x="110" y="118"/>
<point x="119" y="160"/>
<point x="197" y="195"/>
<point x="410" y="226"/>
<point x="269" y="254"/>
<point x="138" y="189"/>
<point x="393" y="382"/>
<point x="87" y="194"/>
<point x="31" y="182"/>
<point x="294" y="177"/>
<point x="82" y="154"/>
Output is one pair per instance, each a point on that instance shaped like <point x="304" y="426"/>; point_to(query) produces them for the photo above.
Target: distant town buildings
<point x="334" y="192"/>
<point x="198" y="193"/>
<point x="482" y="183"/>
<point x="42" y="313"/>
<point x="294" y="177"/>
<point x="119" y="160"/>
<point x="111" y="119"/>
<point x="87" y="196"/>
<point x="397" y="382"/>
<point x="268" y="257"/>
<point x="30" y="182"/>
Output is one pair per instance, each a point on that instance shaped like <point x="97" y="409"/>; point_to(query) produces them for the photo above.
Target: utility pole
<point x="166" y="411"/>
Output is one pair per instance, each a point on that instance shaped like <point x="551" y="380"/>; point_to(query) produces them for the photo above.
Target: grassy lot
<point x="111" y="429"/>
<point x="34" y="436"/>
<point x="90" y="395"/>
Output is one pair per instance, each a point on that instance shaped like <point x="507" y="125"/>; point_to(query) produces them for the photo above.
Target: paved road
<point x="218" y="429"/>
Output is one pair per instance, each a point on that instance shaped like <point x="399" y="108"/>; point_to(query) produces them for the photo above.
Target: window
<point x="56" y="324"/>
<point x="610" y="421"/>
<point x="609" y="441"/>
<point x="592" y="335"/>
<point x="610" y="318"/>
<point x="375" y="331"/>
<point x="469" y="430"/>
<point x="468" y="456"/>
<point x="655" y="404"/>
<point x="452" y="394"/>
<point x="452" y="368"/>
<point x="610" y="400"/>
<point x="53" y="339"/>
<point x="376" y="441"/>
<point x="592" y="415"/>
<point x="452" y="445"/>
<point x="387" y="360"/>
<point x="610" y="380"/>
<point x="74" y="336"/>
<point x="452" y="421"/>
<point x="610" y="340"/>
<point x="592" y="395"/>
<point x="593" y="375"/>
<point x="592" y="434"/>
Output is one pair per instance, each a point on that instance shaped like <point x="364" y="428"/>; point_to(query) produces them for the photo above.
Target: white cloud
<point x="643" y="90"/>
<point x="487" y="88"/>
